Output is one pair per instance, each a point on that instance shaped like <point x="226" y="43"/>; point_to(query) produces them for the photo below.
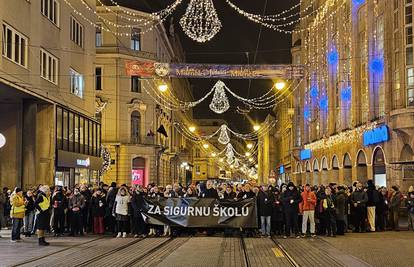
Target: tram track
<point x="34" y="259"/>
<point x="285" y="253"/>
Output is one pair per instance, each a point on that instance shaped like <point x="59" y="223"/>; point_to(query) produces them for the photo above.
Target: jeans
<point x="16" y="227"/>
<point x="411" y="220"/>
<point x="265" y="222"/>
<point x="308" y="214"/>
<point x="291" y="222"/>
<point x="28" y="221"/>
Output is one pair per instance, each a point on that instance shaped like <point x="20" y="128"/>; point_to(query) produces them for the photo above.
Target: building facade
<point x="47" y="97"/>
<point x="356" y="102"/>
<point x="130" y="117"/>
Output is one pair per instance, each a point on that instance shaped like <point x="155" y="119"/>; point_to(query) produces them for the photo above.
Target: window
<point x="98" y="78"/>
<point x="98" y="35"/>
<point x="14" y="46"/>
<point x="410" y="86"/>
<point x="48" y="66"/>
<point x="135" y="125"/>
<point x="135" y="84"/>
<point x="198" y="169"/>
<point x="76" y="32"/>
<point x="197" y="153"/>
<point x="76" y="83"/>
<point x="136" y="39"/>
<point x="50" y="9"/>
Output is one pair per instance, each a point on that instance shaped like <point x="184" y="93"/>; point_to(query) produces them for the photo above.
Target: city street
<point x="373" y="249"/>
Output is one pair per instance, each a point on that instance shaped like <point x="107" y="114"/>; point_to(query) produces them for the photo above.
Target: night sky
<point x="237" y="36"/>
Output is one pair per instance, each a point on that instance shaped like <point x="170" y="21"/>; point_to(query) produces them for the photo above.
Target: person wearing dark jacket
<point x="341" y="210"/>
<point x="86" y="218"/>
<point x="137" y="203"/>
<point x="359" y="199"/>
<point x="382" y="210"/>
<point x="42" y="204"/>
<point x="98" y="206"/>
<point x="328" y="206"/>
<point x="291" y="199"/>
<point x="373" y="199"/>
<point x="265" y="201"/>
<point x="110" y="221"/>
<point x="277" y="214"/>
<point x="28" y="220"/>
<point x="210" y="192"/>
<point x="59" y="204"/>
<point x="76" y="204"/>
<point x="395" y="204"/>
<point x="229" y="193"/>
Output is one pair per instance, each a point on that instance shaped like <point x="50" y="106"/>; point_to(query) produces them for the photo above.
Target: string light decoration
<point x="106" y="157"/>
<point x="200" y="21"/>
<point x="224" y="137"/>
<point x="220" y="103"/>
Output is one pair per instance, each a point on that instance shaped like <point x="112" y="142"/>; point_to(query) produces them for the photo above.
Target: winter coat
<point x="306" y="204"/>
<point x="341" y="205"/>
<point x="382" y="205"/>
<point x="277" y="209"/>
<point x="395" y="201"/>
<point x="246" y="195"/>
<point x="359" y="196"/>
<point x="98" y="206"/>
<point x="373" y="196"/>
<point x="230" y="195"/>
<point x="18" y="209"/>
<point x="76" y="202"/>
<point x="121" y="205"/>
<point x="59" y="203"/>
<point x="30" y="204"/>
<point x="2" y="202"/>
<point x="210" y="193"/>
<point x="265" y="201"/>
<point x="43" y="217"/>
<point x="410" y="205"/>
<point x="287" y="197"/>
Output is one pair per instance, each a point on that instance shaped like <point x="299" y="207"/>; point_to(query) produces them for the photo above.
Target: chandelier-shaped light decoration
<point x="236" y="163"/>
<point x="224" y="137"/>
<point x="220" y="103"/>
<point x="200" y="21"/>
<point x="229" y="153"/>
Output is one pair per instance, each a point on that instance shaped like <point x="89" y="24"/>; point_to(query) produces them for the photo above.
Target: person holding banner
<point x="291" y="199"/>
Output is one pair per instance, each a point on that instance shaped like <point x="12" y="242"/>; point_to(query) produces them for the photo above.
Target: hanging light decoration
<point x="200" y="21"/>
<point x="220" y="103"/>
<point x="224" y="137"/>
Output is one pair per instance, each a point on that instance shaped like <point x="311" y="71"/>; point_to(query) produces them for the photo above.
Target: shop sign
<point x="305" y="154"/>
<point x="83" y="162"/>
<point x="375" y="136"/>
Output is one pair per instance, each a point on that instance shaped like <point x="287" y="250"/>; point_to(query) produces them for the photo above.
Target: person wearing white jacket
<point x="121" y="211"/>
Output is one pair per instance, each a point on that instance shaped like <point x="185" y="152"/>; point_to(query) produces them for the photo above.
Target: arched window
<point x="135" y="127"/>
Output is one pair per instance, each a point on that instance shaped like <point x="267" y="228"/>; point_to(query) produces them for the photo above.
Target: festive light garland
<point x="200" y="21"/>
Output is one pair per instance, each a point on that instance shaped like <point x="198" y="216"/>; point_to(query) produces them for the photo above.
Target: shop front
<point x="73" y="168"/>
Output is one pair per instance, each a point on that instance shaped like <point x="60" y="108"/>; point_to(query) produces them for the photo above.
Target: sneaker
<point x="298" y="236"/>
<point x="124" y="235"/>
<point x="303" y="236"/>
<point x="136" y="236"/>
<point x="313" y="235"/>
<point x="285" y="236"/>
<point x="13" y="241"/>
<point x="119" y="235"/>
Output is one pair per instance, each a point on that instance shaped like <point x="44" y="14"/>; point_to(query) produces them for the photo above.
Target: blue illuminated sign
<point x="375" y="136"/>
<point x="333" y="57"/>
<point x="377" y="65"/>
<point x="346" y="94"/>
<point x="282" y="169"/>
<point x="305" y="154"/>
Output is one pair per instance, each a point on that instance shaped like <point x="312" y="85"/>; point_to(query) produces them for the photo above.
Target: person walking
<point x="28" y="220"/>
<point x="42" y="204"/>
<point x="17" y="212"/>
<point x="121" y="211"/>
<point x="395" y="204"/>
<point x="307" y="208"/>
<point x="98" y="206"/>
<point x="265" y="204"/>
<point x="359" y="198"/>
<point x="291" y="199"/>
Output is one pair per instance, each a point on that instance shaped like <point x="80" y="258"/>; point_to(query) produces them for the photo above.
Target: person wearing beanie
<point x="291" y="199"/>
<point x="373" y="198"/>
<point x="17" y="213"/>
<point x="42" y="204"/>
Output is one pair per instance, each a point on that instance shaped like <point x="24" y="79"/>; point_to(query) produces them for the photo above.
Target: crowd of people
<point x="286" y="210"/>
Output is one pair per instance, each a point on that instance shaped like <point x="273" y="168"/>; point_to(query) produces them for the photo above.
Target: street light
<point x="163" y="87"/>
<point x="280" y="85"/>
<point x="249" y="145"/>
<point x="205" y="146"/>
<point x="192" y="129"/>
<point x="256" y="127"/>
<point x="2" y="140"/>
